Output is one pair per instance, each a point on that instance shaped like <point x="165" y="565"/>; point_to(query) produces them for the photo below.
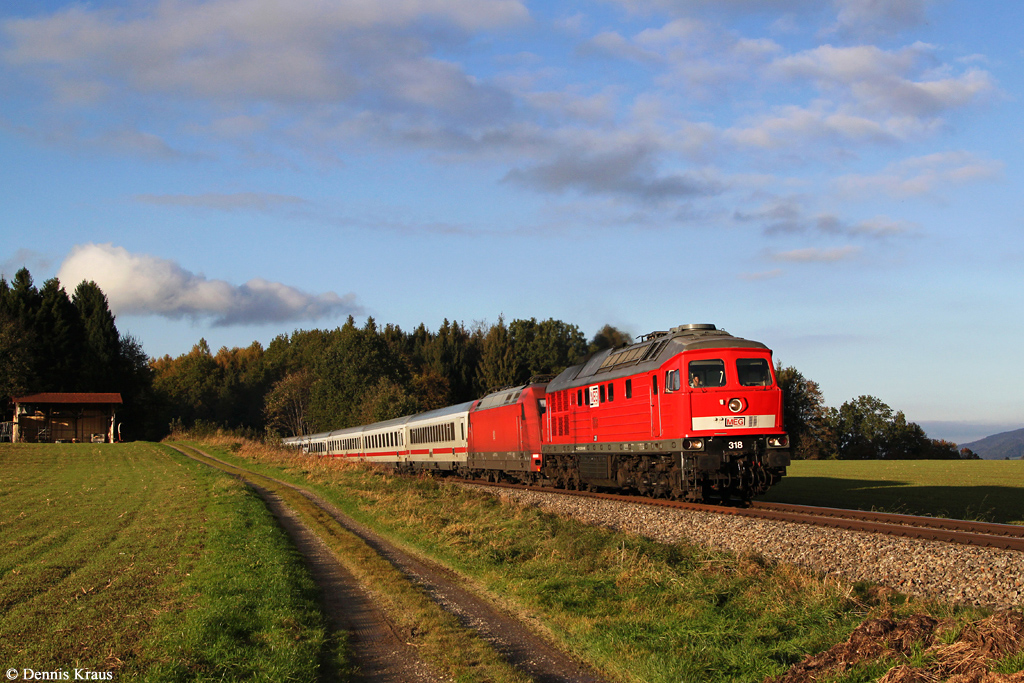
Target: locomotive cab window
<point x="753" y="372"/>
<point x="707" y="373"/>
<point x="671" y="381"/>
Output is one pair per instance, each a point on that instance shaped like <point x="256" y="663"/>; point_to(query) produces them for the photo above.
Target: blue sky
<point x="840" y="179"/>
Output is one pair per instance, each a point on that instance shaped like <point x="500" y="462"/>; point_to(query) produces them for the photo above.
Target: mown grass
<point x="126" y="558"/>
<point x="984" y="490"/>
<point x="639" y="610"/>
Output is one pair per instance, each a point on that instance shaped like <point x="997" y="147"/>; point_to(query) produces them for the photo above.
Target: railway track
<point x="983" y="534"/>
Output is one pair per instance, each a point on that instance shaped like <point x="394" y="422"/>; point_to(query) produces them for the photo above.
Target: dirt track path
<point x="381" y="653"/>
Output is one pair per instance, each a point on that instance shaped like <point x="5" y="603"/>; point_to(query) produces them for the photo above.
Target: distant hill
<point x="999" y="446"/>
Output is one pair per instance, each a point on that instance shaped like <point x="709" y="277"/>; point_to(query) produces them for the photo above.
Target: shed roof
<point x="57" y="397"/>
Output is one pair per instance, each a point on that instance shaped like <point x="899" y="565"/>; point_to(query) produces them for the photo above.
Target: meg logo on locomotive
<point x="624" y="420"/>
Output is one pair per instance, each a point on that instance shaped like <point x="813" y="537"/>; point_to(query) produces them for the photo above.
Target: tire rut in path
<point x="521" y="647"/>
<point x="379" y="652"/>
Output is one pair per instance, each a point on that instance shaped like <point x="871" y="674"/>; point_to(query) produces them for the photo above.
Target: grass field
<point x="985" y="490"/>
<point x="640" y="610"/>
<point x="132" y="559"/>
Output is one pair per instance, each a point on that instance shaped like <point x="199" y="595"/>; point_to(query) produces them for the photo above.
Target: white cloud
<point x="140" y="284"/>
<point x="867" y="95"/>
<point x="628" y="169"/>
<point x="882" y="82"/>
<point x="790" y="126"/>
<point x="865" y="17"/>
<point x="261" y="50"/>
<point x="614" y="44"/>
<point x="238" y="201"/>
<point x="788" y="215"/>
<point x="852" y="17"/>
<point x="920" y="176"/>
<point x="329" y="79"/>
<point x="816" y="255"/>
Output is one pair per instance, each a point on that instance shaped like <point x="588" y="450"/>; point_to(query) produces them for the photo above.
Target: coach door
<point x="655" y="407"/>
<point x="582" y="430"/>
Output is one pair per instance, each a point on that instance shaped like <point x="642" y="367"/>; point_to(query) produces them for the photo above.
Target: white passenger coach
<point x="436" y="439"/>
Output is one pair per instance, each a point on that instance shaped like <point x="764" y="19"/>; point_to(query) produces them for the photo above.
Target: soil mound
<point x="966" y="659"/>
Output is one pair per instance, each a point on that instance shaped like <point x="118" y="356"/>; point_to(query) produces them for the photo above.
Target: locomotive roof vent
<point x="693" y="327"/>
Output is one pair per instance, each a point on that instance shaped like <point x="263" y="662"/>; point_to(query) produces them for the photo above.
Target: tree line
<point x="864" y="428"/>
<point x="315" y="380"/>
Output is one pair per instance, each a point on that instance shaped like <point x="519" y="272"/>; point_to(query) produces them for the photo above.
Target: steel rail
<point x="983" y="534"/>
<point x="984" y="528"/>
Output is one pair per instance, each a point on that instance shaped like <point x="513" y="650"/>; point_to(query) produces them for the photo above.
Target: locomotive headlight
<point x="737" y="404"/>
<point x="693" y="444"/>
<point x="778" y="441"/>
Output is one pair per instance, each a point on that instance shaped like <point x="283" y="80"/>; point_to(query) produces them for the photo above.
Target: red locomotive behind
<point x="693" y="413"/>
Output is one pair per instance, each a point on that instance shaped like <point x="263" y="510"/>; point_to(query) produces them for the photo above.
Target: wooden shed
<point x="64" y="418"/>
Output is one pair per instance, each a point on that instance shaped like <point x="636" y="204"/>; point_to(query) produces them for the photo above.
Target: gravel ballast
<point x="946" y="571"/>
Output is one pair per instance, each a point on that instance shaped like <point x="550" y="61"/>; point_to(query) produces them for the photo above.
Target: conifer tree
<point x="102" y="343"/>
<point x="60" y="338"/>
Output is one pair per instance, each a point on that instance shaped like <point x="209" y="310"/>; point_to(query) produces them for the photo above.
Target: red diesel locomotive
<point x="693" y="413"/>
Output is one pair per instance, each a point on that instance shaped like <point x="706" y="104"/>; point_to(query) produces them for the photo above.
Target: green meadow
<point x="133" y="559"/>
<point x="982" y="490"/>
<point x="128" y="558"/>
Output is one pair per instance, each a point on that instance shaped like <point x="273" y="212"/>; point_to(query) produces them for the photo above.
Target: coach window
<point x="602" y="393"/>
<point x="753" y="372"/>
<point x="579" y="397"/>
<point x="629" y="388"/>
<point x="654" y="384"/>
<point x="611" y="391"/>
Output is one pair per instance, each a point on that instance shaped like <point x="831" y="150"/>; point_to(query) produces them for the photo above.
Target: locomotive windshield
<point x="754" y="372"/>
<point x="707" y="373"/>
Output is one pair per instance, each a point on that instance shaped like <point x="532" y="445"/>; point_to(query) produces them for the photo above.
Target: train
<point x="692" y="413"/>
